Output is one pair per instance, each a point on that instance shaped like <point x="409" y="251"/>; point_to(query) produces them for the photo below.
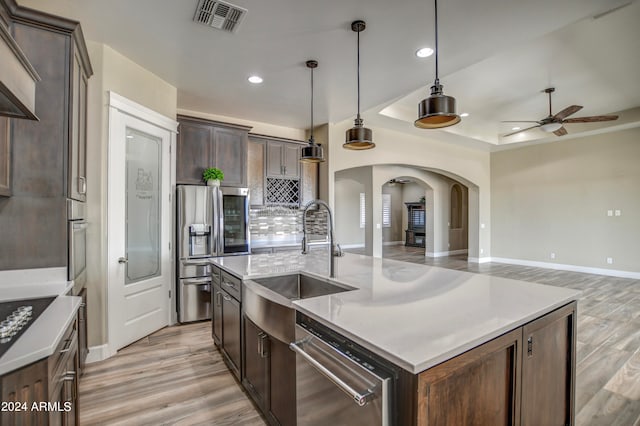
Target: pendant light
<point x="358" y="137"/>
<point x="312" y="153"/>
<point x="438" y="110"/>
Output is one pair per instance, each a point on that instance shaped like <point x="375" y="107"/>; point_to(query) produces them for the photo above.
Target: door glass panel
<point x="235" y="231"/>
<point x="142" y="207"/>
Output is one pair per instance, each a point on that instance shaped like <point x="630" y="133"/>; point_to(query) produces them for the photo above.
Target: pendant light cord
<point x="358" y="75"/>
<point x="311" y="137"/>
<point x="437" y="82"/>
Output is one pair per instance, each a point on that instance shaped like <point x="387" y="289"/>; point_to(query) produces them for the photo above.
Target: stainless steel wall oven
<point x="77" y="245"/>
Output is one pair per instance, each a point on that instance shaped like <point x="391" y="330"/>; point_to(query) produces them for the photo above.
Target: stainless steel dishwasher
<point x="337" y="382"/>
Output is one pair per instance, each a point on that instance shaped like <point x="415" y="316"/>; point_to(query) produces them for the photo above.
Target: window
<point x="386" y="210"/>
<point x="363" y="211"/>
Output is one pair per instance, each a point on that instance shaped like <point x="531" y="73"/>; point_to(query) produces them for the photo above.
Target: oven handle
<point x="79" y="225"/>
<point x="359" y="398"/>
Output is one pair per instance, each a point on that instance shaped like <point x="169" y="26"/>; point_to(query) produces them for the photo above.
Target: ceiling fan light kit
<point x="438" y="110"/>
<point x="555" y="123"/>
<point x="312" y="153"/>
<point x="358" y="137"/>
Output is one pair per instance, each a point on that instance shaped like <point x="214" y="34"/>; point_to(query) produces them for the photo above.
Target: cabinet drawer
<point x="231" y="285"/>
<point x="67" y="344"/>
<point x="194" y="268"/>
<point x="215" y="276"/>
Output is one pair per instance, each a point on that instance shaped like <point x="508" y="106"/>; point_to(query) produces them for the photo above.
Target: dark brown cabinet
<point x="231" y="330"/>
<point x="204" y="143"/>
<point x="226" y="318"/>
<point x="548" y="369"/>
<point x="269" y="374"/>
<point x="524" y="377"/>
<point x="52" y="380"/>
<point x="256" y="364"/>
<point x="283" y="159"/>
<point x="46" y="154"/>
<point x="415" y="232"/>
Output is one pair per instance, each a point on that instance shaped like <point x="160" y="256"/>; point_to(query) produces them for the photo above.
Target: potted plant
<point x="213" y="176"/>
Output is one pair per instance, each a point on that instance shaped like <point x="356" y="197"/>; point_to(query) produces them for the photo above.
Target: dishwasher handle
<point x="359" y="398"/>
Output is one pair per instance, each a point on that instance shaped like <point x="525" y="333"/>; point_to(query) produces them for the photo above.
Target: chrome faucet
<point x="334" y="250"/>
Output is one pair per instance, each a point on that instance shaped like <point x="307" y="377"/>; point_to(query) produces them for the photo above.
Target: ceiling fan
<point x="554" y="123"/>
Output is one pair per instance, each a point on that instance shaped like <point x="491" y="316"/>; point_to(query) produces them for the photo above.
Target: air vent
<point x="219" y="15"/>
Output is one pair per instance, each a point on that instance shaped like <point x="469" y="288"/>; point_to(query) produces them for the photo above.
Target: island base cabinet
<point x="269" y="375"/>
<point x="231" y="318"/>
<point x="524" y="377"/>
<point x="548" y="369"/>
<point x="478" y="387"/>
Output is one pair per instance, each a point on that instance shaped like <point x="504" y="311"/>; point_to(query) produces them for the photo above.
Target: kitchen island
<point x="452" y="333"/>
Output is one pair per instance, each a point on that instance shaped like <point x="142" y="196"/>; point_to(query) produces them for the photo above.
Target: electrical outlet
<point x="552" y="255"/>
<point x="609" y="213"/>
<point x="610" y="260"/>
<point x="618" y="213"/>
<point x="481" y="251"/>
<point x="482" y="226"/>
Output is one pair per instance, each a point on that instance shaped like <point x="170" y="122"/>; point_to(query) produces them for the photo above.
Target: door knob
<point x="122" y="260"/>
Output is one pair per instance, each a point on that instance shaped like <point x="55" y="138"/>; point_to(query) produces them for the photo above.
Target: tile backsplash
<point x="284" y="223"/>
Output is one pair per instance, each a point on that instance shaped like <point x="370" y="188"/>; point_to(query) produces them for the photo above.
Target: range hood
<point x="17" y="79"/>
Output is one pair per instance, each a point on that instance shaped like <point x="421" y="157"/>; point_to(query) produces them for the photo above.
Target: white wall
<point x="349" y="185"/>
<point x="395" y="232"/>
<point x="554" y="198"/>
<point x="468" y="166"/>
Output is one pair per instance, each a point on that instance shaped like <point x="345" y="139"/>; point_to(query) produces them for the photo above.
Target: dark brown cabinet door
<point x="283" y="159"/>
<point x="231" y="155"/>
<point x="28" y="385"/>
<point x="282" y="383"/>
<point x="479" y="387"/>
<point x="255" y="170"/>
<point x="231" y="331"/>
<point x="77" y="173"/>
<point x="194" y="152"/>
<point x="548" y="372"/>
<point x="216" y="317"/>
<point x="291" y="160"/>
<point x="256" y="363"/>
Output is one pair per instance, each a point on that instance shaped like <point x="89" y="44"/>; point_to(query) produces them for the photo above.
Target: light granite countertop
<point x="43" y="335"/>
<point x="416" y="316"/>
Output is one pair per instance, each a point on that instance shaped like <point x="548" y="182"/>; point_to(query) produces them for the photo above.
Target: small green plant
<point x="422" y="200"/>
<point x="212" y="173"/>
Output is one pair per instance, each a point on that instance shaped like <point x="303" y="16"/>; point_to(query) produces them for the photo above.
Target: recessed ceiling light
<point x="424" y="52"/>
<point x="515" y="128"/>
<point x="255" y="79"/>
<point x="464" y="114"/>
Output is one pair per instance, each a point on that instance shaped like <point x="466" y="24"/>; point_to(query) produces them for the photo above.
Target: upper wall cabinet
<point x="48" y="156"/>
<point x="204" y="143"/>
<point x="283" y="159"/>
<point x="56" y="48"/>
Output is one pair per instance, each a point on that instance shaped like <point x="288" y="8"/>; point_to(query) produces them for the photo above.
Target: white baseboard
<point x="97" y="353"/>
<point x="445" y="253"/>
<point x="393" y="243"/>
<point x="350" y="246"/>
<point x="565" y="267"/>
<point x="479" y="259"/>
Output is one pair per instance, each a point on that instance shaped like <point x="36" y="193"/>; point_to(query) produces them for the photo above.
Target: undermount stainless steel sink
<point x="276" y="319"/>
<point x="299" y="286"/>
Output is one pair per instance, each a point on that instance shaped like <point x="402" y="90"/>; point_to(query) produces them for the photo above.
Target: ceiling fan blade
<point x="591" y="119"/>
<point x="567" y="112"/>
<point x="560" y="132"/>
<point x="521" y="121"/>
<point x="520" y="131"/>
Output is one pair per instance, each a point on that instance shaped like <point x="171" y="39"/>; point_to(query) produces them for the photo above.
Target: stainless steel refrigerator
<point x="211" y="221"/>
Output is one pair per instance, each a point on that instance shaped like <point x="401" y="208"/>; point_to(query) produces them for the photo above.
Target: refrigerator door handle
<point x="220" y="223"/>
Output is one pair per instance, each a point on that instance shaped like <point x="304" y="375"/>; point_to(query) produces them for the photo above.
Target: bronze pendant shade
<point x="438" y="110"/>
<point x="358" y="137"/>
<point x="312" y="153"/>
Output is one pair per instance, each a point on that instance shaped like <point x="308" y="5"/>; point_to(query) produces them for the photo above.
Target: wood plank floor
<point x="177" y="377"/>
<point x="173" y="377"/>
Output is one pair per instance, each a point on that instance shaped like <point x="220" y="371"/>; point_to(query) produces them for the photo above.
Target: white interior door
<point x="139" y="228"/>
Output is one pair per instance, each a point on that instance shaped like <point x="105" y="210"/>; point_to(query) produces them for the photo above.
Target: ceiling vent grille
<point x="220" y="15"/>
